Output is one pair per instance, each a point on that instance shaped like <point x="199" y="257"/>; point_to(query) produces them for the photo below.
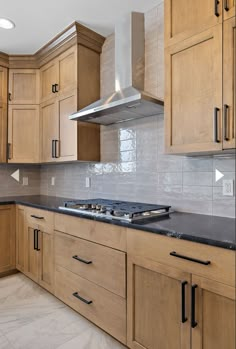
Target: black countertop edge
<point x="231" y="245"/>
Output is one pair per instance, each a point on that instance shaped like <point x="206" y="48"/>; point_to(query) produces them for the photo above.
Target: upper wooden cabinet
<point x="229" y="84"/>
<point x="23" y="86"/>
<point x="3" y="85"/>
<point x="184" y="19"/>
<point x="59" y="75"/>
<point x="7" y="238"/>
<point x="193" y="99"/>
<point x="23" y="134"/>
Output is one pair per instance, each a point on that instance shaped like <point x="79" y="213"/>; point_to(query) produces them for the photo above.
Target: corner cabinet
<point x="69" y="83"/>
<point x="7" y="238"/>
<point x="200" y="76"/>
<point x="3" y="114"/>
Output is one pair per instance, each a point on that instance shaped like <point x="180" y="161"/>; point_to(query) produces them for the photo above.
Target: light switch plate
<point x="53" y="179"/>
<point x="228" y="187"/>
<point x="87" y="182"/>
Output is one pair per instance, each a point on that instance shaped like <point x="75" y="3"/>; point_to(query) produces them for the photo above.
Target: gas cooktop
<point x="119" y="210"/>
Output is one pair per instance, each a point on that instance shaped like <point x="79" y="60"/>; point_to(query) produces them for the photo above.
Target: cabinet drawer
<point x="107" y="310"/>
<point x="102" y="265"/>
<point x="40" y="218"/>
<point x="158" y="248"/>
<point x="102" y="233"/>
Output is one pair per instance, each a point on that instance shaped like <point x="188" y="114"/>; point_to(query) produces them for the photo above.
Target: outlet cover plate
<point x="228" y="187"/>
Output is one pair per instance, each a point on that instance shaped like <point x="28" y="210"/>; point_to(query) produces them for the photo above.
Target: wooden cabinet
<point x="229" y="84"/>
<point x="20" y="238"/>
<point x="214" y="315"/>
<point x="39" y="240"/>
<point x="193" y="104"/>
<point x="7" y="238"/>
<point x="23" y="134"/>
<point x="179" y="290"/>
<point x="184" y="19"/>
<point x="24" y="86"/>
<point x="155" y="314"/>
<point x="3" y="114"/>
<point x="75" y="79"/>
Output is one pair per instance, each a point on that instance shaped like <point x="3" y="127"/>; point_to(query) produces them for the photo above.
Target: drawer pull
<point x="193" y="321"/>
<point x="226" y="5"/>
<point x="82" y="260"/>
<point x="37" y="217"/>
<point x="216" y="8"/>
<point x="174" y="254"/>
<point x="183" y="317"/>
<point x="76" y="295"/>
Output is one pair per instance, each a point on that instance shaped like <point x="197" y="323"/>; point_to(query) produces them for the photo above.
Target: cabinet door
<point x="67" y="65"/>
<point x="193" y="100"/>
<point x="3" y="133"/>
<point x="23" y="134"/>
<point x="3" y="86"/>
<point x="31" y="253"/>
<point x="229" y="83"/>
<point x="7" y="238"/>
<point x="46" y="271"/>
<point x="229" y="9"/>
<point x="48" y="78"/>
<point x="184" y="19"/>
<point x="155" y="306"/>
<point x="68" y="129"/>
<point x="214" y="315"/>
<point x="49" y="130"/>
<point x="23" y="86"/>
<point x="20" y="238"/>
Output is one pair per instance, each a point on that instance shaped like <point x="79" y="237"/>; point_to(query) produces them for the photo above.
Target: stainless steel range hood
<point x="129" y="101"/>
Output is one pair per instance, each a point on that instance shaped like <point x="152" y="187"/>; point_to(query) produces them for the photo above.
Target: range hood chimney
<point x="129" y="101"/>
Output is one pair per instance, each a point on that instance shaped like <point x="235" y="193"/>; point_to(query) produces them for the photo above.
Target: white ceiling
<point x="37" y="22"/>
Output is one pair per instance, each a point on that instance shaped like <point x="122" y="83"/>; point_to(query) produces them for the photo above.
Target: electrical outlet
<point x="228" y="187"/>
<point x="53" y="180"/>
<point x="87" y="182"/>
<point x="25" y="181"/>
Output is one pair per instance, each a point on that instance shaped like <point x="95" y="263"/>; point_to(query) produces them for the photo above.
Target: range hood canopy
<point x="129" y="101"/>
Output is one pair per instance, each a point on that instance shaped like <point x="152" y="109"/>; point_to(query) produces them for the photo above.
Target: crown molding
<point x="74" y="34"/>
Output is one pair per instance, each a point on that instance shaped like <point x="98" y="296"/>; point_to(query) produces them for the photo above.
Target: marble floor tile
<point x="32" y="318"/>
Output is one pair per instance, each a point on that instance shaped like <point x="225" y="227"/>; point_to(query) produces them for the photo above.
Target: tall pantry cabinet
<point x="200" y="76"/>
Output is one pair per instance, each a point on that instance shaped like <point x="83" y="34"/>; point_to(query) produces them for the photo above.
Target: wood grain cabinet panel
<point x="184" y="19"/>
<point x="229" y="84"/>
<point x="67" y="67"/>
<point x="193" y="104"/>
<point x="3" y="85"/>
<point x="48" y="77"/>
<point x="214" y="315"/>
<point x="20" y="238"/>
<point x="23" y="86"/>
<point x="154" y="306"/>
<point x="3" y="133"/>
<point x="7" y="238"/>
<point x="23" y="134"/>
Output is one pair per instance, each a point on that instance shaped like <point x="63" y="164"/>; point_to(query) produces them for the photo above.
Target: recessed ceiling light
<point x="6" y="23"/>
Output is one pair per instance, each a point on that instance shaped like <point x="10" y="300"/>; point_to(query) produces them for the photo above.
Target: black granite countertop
<point x="210" y="230"/>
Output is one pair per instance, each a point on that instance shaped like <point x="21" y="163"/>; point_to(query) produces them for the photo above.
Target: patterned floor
<point x="31" y="318"/>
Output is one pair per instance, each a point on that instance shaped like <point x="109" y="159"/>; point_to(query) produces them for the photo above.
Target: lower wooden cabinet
<point x="34" y="245"/>
<point x="7" y="238"/>
<point x="155" y="308"/>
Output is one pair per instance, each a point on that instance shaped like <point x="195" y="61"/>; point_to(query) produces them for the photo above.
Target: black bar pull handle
<point x="82" y="260"/>
<point x="9" y="96"/>
<point x="53" y="149"/>
<point x="37" y="217"/>
<point x="56" y="147"/>
<point x="9" y="153"/>
<point x="216" y="112"/>
<point x="53" y="88"/>
<point x="76" y="295"/>
<point x="37" y="240"/>
<point x="35" y="237"/>
<point x="226" y="122"/>
<point x="193" y="296"/>
<point x="216" y="8"/>
<point x="56" y="88"/>
<point x="226" y="5"/>
<point x="183" y="316"/>
<point x="177" y="255"/>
